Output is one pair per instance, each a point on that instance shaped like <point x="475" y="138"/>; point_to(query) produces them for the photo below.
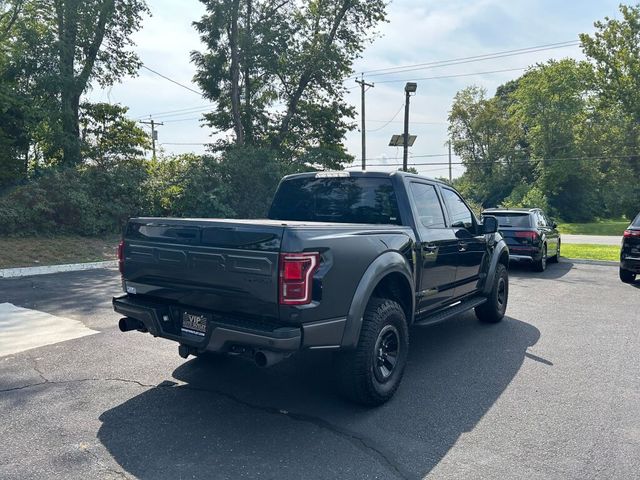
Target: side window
<point x="461" y="216"/>
<point x="541" y="220"/>
<point x="427" y="205"/>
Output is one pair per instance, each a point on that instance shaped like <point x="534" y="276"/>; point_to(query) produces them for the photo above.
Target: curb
<point x="605" y="263"/>
<point x="44" y="270"/>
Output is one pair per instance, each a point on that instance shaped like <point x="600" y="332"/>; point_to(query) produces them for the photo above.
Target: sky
<point x="417" y="32"/>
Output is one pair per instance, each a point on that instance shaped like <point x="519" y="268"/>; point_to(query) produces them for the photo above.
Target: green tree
<point x="481" y="134"/>
<point x="275" y="71"/>
<point x="614" y="49"/>
<point x="108" y="136"/>
<point x="93" y="40"/>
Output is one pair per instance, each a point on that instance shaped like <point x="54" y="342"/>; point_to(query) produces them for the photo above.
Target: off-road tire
<point x="358" y="371"/>
<point x="493" y="310"/>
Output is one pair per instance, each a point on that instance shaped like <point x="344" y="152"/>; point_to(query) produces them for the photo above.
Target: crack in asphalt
<point x="102" y="465"/>
<point x="361" y="443"/>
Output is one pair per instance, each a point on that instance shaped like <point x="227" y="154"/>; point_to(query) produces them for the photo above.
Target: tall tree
<point x="614" y="49"/>
<point x="275" y="71"/>
<point x="93" y="40"/>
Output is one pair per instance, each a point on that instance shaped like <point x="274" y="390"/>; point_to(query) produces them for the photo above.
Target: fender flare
<point x="498" y="251"/>
<point x="388" y="262"/>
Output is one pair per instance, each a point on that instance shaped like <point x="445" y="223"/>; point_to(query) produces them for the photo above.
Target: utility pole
<point x="363" y="86"/>
<point x="449" y="142"/>
<point x="154" y="134"/>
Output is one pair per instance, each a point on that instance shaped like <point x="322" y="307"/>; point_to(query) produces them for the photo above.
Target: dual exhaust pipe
<point x="262" y="358"/>
<point x="127" y="324"/>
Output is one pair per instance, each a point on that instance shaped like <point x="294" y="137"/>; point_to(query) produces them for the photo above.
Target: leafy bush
<point x="98" y="199"/>
<point x="86" y="201"/>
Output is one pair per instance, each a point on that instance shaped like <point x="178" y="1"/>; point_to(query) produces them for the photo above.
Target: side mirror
<point x="490" y="225"/>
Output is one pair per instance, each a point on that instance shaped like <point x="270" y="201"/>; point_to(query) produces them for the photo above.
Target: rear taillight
<point x="532" y="236"/>
<point x="121" y="256"/>
<point x="296" y="277"/>
<point x="631" y="233"/>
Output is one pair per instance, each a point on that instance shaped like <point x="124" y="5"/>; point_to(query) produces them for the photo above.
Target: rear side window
<point x="512" y="219"/>
<point x="636" y="222"/>
<point x="339" y="199"/>
<point x="427" y="205"/>
<point x="460" y="214"/>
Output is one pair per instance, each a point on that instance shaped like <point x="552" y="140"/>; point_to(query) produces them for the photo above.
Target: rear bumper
<point x="631" y="263"/>
<point x="228" y="335"/>
<point x="524" y="254"/>
<point x="520" y="258"/>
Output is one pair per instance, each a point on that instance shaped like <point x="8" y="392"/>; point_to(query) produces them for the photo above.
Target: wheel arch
<point x="388" y="276"/>
<point x="500" y="255"/>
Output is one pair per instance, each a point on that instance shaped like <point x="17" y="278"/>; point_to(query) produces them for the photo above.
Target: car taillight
<point x="121" y="257"/>
<point x="296" y="277"/>
<point x="631" y="233"/>
<point x="532" y="236"/>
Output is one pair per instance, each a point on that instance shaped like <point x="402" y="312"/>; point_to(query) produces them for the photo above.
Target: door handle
<point x="462" y="246"/>
<point x="430" y="248"/>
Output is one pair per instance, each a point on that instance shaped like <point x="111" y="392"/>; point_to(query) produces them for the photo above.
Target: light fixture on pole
<point x="409" y="88"/>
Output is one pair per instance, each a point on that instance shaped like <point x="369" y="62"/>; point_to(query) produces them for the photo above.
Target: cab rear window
<point x="340" y="199"/>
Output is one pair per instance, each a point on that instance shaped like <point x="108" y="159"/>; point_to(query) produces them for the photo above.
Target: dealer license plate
<point x="194" y="324"/>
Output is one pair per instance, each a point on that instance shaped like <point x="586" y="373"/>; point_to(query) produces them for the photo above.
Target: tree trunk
<point x="73" y="86"/>
<point x="235" y="74"/>
<point x="247" y="74"/>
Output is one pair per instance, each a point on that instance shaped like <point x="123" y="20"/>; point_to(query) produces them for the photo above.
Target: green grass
<point x="604" y="227"/>
<point x="591" y="252"/>
<point x="37" y="251"/>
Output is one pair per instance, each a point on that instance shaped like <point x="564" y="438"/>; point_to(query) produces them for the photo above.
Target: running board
<point x="451" y="311"/>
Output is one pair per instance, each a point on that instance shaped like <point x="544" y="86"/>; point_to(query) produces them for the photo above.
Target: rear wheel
<point x="626" y="276"/>
<point x="371" y="373"/>
<point x="493" y="310"/>
<point x="541" y="265"/>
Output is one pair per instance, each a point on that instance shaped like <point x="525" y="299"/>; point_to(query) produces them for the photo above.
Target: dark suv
<point x="630" y="252"/>
<point x="530" y="234"/>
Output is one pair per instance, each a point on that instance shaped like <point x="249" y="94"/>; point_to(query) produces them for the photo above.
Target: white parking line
<point x="22" y="329"/>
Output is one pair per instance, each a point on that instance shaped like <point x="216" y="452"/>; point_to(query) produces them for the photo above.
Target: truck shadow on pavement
<point x="230" y="419"/>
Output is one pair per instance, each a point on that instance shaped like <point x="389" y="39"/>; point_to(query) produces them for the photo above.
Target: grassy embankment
<point x="591" y="252"/>
<point x="604" y="227"/>
<point x="37" y="251"/>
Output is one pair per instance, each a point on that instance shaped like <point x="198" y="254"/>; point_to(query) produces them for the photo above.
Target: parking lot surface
<point x="551" y="392"/>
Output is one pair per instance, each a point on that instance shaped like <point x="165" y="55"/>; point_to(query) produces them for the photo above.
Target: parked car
<point x="630" y="252"/>
<point x="346" y="261"/>
<point x="531" y="236"/>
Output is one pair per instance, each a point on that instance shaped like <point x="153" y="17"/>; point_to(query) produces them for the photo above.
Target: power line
<point x="454" y="75"/>
<point x="392" y="119"/>
<point x="186" y="110"/>
<point x="172" y="80"/>
<point x="489" y="162"/>
<point x="470" y="59"/>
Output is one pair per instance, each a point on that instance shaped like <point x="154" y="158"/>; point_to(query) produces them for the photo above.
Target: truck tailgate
<point x="222" y="266"/>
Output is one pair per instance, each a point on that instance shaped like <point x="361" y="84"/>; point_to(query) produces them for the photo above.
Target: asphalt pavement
<point x="552" y="392"/>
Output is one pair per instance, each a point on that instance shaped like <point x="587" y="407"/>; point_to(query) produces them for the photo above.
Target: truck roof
<point x="360" y="173"/>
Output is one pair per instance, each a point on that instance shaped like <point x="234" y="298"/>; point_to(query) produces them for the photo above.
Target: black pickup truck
<point x="346" y="261"/>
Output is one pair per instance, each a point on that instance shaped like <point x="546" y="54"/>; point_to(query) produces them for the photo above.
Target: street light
<point x="409" y="88"/>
